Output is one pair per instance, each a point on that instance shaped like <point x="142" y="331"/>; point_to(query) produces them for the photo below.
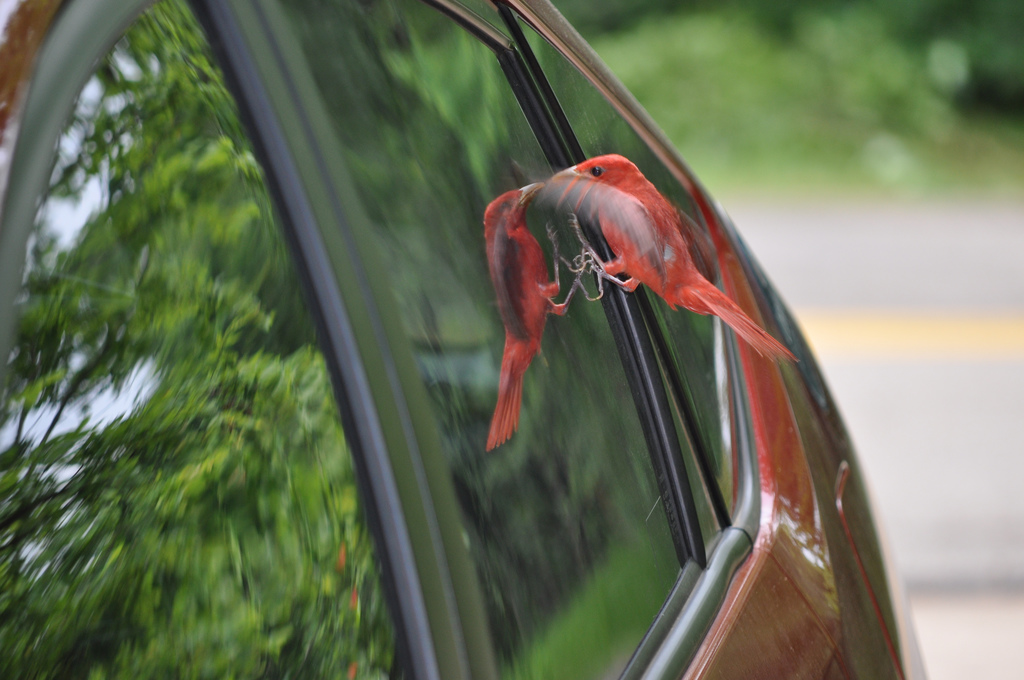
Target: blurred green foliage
<point x="827" y="96"/>
<point x="985" y="33"/>
<point x="980" y="39"/>
<point x="176" y="495"/>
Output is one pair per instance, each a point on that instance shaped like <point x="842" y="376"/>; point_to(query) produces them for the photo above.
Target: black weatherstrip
<point x="472" y="23"/>
<point x="625" y="319"/>
<point x="374" y="474"/>
<point x="557" y="113"/>
<point x="703" y="452"/>
<point x="533" y="107"/>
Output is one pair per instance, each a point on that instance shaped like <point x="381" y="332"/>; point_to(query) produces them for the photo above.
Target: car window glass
<point x="177" y="498"/>
<point x="564" y="521"/>
<point x="696" y="342"/>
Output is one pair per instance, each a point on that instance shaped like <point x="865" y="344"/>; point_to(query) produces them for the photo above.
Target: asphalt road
<point x="916" y="312"/>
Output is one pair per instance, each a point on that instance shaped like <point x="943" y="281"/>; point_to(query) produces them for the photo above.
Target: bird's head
<point x="527" y="193"/>
<point x="510" y="204"/>
<point x="610" y="170"/>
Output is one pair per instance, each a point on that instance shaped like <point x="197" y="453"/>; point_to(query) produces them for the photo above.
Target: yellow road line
<point x="910" y="335"/>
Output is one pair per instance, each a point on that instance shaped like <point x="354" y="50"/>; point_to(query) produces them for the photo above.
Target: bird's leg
<point x="603" y="270"/>
<point x="629" y="285"/>
<point x="608" y="270"/>
<point x="552" y="289"/>
<point x="561" y="308"/>
<point x="550" y="229"/>
<point x="587" y="260"/>
<point x="581" y="264"/>
<point x="587" y="248"/>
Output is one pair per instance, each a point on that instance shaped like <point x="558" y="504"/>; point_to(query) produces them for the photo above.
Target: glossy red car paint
<point x="789" y="613"/>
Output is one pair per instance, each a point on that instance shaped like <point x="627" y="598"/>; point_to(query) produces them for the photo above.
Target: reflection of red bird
<point x="654" y="242"/>
<point x="520" y="277"/>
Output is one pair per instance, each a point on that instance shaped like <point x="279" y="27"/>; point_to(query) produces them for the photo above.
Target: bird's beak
<point x="526" y="193"/>
<point x="566" y="175"/>
<point x="567" y="178"/>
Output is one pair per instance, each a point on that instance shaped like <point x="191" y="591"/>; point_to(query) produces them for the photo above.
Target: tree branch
<point x="76" y="382"/>
<point x="21" y="423"/>
<point x="27" y="509"/>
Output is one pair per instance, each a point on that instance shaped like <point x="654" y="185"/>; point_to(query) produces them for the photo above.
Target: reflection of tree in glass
<point x="176" y="497"/>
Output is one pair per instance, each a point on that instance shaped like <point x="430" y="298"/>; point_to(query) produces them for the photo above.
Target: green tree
<point x="176" y="495"/>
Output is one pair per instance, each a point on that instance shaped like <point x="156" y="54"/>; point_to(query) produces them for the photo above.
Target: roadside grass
<point x="835" y="108"/>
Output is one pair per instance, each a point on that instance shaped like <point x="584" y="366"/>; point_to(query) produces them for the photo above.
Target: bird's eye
<point x="597" y="171"/>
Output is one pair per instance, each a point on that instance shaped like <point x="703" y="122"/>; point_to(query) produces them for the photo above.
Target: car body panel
<point x="20" y="39"/>
<point x="882" y="629"/>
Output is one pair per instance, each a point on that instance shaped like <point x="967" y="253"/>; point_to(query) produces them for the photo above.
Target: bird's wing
<point x="616" y="209"/>
<point x="702" y="251"/>
<point x="507" y="277"/>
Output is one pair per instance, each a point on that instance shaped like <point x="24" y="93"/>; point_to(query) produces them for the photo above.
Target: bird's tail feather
<point x="707" y="299"/>
<point x="505" y="420"/>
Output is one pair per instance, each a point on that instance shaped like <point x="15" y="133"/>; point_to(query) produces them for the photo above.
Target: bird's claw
<point x="581" y="263"/>
<point x="586" y="262"/>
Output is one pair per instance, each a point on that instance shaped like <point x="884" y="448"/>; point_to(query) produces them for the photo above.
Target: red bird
<point x="520" y="277"/>
<point x="653" y="241"/>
